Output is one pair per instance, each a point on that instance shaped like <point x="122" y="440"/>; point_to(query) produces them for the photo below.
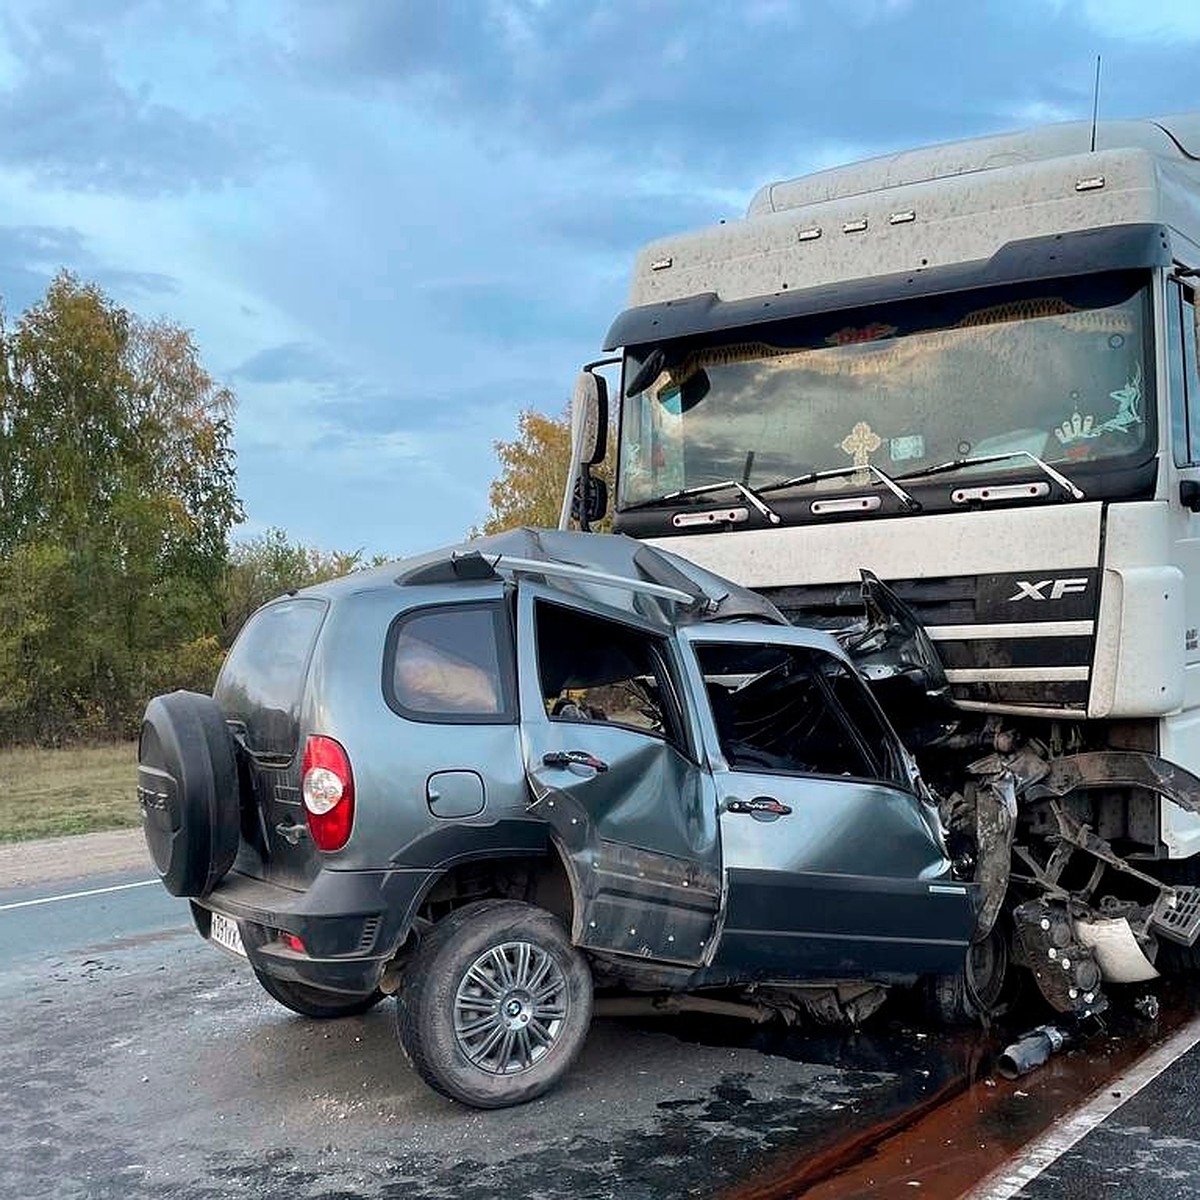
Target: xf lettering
<point x="1026" y="590"/>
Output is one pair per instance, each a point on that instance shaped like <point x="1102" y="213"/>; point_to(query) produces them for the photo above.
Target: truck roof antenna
<point x="1095" y="103"/>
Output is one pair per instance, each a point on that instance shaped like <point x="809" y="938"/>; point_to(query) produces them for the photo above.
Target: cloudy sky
<point x="392" y="225"/>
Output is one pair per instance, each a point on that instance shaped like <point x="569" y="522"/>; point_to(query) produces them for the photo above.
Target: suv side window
<point x="261" y="683"/>
<point x="593" y="669"/>
<point x="451" y="663"/>
<point x="796" y="710"/>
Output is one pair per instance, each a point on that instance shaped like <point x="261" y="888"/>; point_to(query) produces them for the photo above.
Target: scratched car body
<point x="491" y="779"/>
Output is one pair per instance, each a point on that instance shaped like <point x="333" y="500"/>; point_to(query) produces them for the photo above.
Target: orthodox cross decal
<point x="860" y="443"/>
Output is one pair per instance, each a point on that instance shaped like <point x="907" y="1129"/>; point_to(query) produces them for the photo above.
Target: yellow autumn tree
<point x="533" y="473"/>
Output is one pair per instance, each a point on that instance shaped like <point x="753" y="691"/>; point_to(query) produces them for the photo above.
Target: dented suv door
<point x="834" y="857"/>
<point x="611" y="760"/>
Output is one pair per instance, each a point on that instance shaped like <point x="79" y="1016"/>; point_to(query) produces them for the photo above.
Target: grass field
<point x="45" y="793"/>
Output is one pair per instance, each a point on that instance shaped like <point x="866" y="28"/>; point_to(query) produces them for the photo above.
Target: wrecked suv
<point x="490" y="779"/>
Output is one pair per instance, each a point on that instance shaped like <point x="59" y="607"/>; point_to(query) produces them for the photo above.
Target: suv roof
<point x="613" y="570"/>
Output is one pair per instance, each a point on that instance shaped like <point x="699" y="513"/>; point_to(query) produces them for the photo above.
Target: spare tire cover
<point x="188" y="791"/>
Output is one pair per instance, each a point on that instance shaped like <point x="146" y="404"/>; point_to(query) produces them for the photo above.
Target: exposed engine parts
<point x="1066" y="971"/>
<point x="1059" y="822"/>
<point x="1081" y="912"/>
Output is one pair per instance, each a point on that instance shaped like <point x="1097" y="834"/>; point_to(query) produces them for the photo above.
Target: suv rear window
<point x="451" y="663"/>
<point x="262" y="681"/>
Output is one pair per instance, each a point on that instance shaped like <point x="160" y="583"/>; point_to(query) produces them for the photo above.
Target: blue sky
<point x="393" y="225"/>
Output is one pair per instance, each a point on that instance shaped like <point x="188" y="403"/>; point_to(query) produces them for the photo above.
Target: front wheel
<point x="973" y="994"/>
<point x="495" y="1005"/>
<point x="316" y="1002"/>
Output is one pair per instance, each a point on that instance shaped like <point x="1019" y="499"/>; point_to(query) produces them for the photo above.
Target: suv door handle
<point x="574" y="758"/>
<point x="766" y="805"/>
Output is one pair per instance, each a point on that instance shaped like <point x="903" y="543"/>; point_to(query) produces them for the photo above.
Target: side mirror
<point x="589" y="418"/>
<point x="589" y="438"/>
<point x="693" y="389"/>
<point x="1189" y="494"/>
<point x="590" y="501"/>
<point x="650" y="370"/>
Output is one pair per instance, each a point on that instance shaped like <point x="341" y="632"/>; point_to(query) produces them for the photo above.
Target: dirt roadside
<point x="43" y="861"/>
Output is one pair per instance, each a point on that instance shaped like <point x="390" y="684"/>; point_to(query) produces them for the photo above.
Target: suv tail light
<point x="328" y="789"/>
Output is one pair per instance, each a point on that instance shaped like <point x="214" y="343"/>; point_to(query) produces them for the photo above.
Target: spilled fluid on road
<point x="950" y="1118"/>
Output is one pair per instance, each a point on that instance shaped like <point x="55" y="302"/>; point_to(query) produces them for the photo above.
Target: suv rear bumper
<point x="350" y="922"/>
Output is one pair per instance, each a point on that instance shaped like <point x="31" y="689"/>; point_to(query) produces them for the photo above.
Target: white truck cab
<point x="971" y="371"/>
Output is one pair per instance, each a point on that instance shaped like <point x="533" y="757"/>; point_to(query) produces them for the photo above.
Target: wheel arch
<point x="543" y="879"/>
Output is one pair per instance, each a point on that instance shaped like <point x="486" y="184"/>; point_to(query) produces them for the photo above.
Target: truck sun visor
<point x="1115" y="247"/>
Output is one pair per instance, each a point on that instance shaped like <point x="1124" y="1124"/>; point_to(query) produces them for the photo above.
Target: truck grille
<point x="1010" y="641"/>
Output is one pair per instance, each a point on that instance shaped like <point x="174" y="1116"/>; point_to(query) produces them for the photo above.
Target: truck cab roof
<point x="967" y="214"/>
<point x="1173" y="137"/>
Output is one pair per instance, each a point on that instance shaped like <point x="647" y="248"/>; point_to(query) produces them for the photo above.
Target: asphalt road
<point x="136" y="1061"/>
<point x="1147" y="1149"/>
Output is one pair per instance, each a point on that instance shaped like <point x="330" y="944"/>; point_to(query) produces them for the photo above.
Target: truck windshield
<point x="1058" y="369"/>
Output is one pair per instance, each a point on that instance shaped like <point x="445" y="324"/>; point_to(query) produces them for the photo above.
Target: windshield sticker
<point x="903" y="449"/>
<point x="1079" y="427"/>
<point x="1118" y="324"/>
<point x="1030" y="309"/>
<point x="850" y="336"/>
<point x="860" y="443"/>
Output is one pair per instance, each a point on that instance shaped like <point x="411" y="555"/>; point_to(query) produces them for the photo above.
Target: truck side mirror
<point x="589" y="438"/>
<point x="590" y="501"/>
<point x="589" y="418"/>
<point x="1189" y="494"/>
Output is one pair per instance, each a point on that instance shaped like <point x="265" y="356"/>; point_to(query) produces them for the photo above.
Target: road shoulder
<point x="48" y="859"/>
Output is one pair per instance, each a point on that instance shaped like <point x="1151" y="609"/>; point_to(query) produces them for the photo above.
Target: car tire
<point x="1174" y="959"/>
<point x="188" y="791"/>
<point x="495" y="969"/>
<point x="975" y="993"/>
<point x="315" y="1002"/>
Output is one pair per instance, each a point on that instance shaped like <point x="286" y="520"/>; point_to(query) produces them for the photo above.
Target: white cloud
<point x="1150" y="20"/>
<point x="1045" y="112"/>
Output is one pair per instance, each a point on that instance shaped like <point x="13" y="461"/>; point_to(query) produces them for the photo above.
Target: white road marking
<point x="117" y="887"/>
<point x="1020" y="1170"/>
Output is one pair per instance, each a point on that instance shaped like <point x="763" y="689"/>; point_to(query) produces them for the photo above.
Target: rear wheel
<point x="973" y="994"/>
<point x="316" y="1002"/>
<point x="496" y="1004"/>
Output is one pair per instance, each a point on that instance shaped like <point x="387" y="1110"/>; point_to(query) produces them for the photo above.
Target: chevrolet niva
<point x="491" y="778"/>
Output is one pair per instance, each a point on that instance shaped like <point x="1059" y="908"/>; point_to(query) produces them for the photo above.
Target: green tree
<point x="533" y="473"/>
<point x="117" y="491"/>
<point x="269" y="565"/>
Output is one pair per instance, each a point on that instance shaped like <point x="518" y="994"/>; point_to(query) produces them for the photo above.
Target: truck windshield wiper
<point x="752" y="497"/>
<point x="907" y="502"/>
<point x="1062" y="481"/>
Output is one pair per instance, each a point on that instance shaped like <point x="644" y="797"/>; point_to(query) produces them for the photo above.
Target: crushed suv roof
<point x="576" y="564"/>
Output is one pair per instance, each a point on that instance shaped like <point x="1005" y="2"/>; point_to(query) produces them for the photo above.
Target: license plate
<point x="226" y="933"/>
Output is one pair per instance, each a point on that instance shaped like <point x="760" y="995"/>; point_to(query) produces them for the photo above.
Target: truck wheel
<point x="188" y="792"/>
<point x="316" y="1002"/>
<point x="495" y="1005"/>
<point x="1174" y="959"/>
<point x="973" y="994"/>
